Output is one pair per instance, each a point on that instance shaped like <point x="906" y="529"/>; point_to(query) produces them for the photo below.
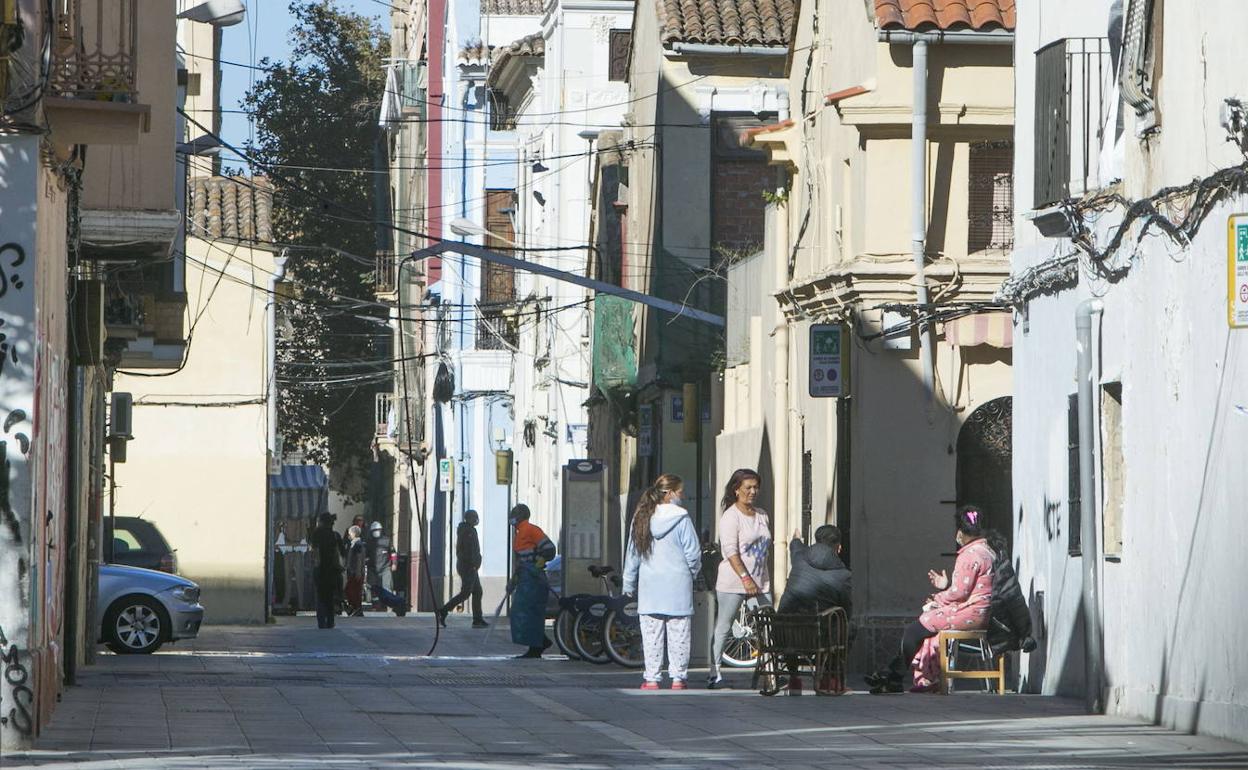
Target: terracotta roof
<point x="235" y="208"/>
<point x="727" y="22"/>
<point x="920" y="15"/>
<point x="531" y="45"/>
<point x="476" y="53"/>
<point x="512" y="7"/>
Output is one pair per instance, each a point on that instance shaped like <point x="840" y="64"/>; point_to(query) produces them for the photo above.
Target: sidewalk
<point x="364" y="696"/>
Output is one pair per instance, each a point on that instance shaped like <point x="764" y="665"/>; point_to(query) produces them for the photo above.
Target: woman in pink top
<point x="963" y="601"/>
<point x="744" y="541"/>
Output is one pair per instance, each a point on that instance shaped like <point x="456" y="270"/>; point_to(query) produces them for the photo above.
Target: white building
<point x="1154" y="462"/>
<point x="556" y="90"/>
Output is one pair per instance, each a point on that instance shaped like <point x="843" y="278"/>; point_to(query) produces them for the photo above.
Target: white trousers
<point x="668" y="633"/>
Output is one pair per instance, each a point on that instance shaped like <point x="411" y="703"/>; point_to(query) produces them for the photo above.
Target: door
<point x="985" y="464"/>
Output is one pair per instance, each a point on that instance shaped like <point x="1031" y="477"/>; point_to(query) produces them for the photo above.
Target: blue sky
<point x="265" y="32"/>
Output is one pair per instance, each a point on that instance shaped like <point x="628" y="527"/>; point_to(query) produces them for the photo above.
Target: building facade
<point x="1129" y="360"/>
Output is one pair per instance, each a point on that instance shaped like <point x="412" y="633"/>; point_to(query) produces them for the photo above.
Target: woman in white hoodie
<point x="664" y="556"/>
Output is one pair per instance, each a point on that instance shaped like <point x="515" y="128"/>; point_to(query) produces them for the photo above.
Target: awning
<point x="995" y="329"/>
<point x="299" y="492"/>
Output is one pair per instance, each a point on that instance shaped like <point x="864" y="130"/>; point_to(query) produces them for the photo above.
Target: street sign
<point x="446" y="474"/>
<point x="645" y="430"/>
<point x="1237" y="271"/>
<point x="827" y="365"/>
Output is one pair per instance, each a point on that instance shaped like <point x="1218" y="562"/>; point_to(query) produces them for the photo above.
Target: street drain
<point x="477" y="681"/>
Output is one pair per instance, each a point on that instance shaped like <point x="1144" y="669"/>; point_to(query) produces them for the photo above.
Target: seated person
<point x="963" y="603"/>
<point x="818" y="580"/>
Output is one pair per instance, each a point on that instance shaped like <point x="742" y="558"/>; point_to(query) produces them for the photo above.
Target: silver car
<point x="141" y="609"/>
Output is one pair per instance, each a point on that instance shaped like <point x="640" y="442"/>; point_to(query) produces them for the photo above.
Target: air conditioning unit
<point x="122" y="417"/>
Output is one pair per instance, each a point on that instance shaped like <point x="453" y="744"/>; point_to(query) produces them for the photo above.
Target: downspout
<point x="918" y="171"/>
<point x="1087" y="500"/>
<point x="270" y="357"/>
<point x="918" y="211"/>
<point x="780" y="444"/>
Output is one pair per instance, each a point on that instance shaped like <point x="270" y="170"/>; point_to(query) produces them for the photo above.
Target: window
<point x="496" y="329"/>
<point x="501" y="117"/>
<point x="1112" y="468"/>
<point x="621" y="46"/>
<point x="990" y="206"/>
<point x="1072" y="81"/>
<point x="1073" y="504"/>
<point x="1141" y="60"/>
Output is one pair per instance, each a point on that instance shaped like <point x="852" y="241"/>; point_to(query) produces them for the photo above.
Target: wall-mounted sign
<point x="446" y="474"/>
<point x="678" y="409"/>
<point x="1237" y="271"/>
<point x="826" y="362"/>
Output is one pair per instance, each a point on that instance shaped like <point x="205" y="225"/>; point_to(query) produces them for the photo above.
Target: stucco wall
<point x="199" y="472"/>
<point x="1172" y="605"/>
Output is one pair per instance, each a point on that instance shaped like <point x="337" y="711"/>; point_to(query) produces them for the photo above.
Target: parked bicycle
<point x="572" y="607"/>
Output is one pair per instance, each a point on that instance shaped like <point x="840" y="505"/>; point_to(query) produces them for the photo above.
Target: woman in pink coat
<point x="962" y="603"/>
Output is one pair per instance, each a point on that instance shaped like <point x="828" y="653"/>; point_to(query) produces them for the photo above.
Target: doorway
<point x="985" y="464"/>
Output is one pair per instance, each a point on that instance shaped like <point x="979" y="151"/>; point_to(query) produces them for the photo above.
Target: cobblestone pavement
<point x="364" y="696"/>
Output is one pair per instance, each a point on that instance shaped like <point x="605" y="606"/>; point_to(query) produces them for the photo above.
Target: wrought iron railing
<point x="95" y="51"/>
<point x="384" y="411"/>
<point x="496" y="331"/>
<point x="1072" y="84"/>
<point x="386" y="272"/>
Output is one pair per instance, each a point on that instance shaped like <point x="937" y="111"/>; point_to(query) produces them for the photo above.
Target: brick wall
<point x="737" y="204"/>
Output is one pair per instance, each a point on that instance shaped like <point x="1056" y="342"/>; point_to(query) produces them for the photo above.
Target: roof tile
<point x="922" y="15"/>
<point x="727" y="22"/>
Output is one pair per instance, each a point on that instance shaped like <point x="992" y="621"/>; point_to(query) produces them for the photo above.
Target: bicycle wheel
<point x="587" y="633"/>
<point x="564" y="622"/>
<point x="741" y="649"/>
<point x="621" y="636"/>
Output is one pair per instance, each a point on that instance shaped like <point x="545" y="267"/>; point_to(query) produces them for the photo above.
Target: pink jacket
<point x="965" y="604"/>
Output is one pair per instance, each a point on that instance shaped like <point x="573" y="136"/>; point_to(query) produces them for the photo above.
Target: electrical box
<point x="122" y="417"/>
<point x="583" y="538"/>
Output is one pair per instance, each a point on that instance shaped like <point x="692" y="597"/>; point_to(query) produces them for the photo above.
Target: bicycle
<point x="571" y="607"/>
<point x="621" y="633"/>
<point x="590" y="623"/>
<point x="742" y="648"/>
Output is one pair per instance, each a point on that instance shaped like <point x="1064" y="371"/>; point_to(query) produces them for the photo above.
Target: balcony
<point x="495" y="330"/>
<point x="386" y="421"/>
<point x="413" y="89"/>
<point x="145" y="323"/>
<point x="1073" y="81"/>
<point x="92" y="87"/>
<point x="385" y="274"/>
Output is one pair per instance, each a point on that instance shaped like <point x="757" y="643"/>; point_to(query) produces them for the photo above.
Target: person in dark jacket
<point x="379" y="568"/>
<point x="327" y="548"/>
<point x="468" y="565"/>
<point x="818" y="579"/>
<point x="1010" y="628"/>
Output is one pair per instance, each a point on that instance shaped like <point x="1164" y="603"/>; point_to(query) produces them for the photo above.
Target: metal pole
<point x="918" y="208"/>
<point x="1087" y="504"/>
<point x="698" y="417"/>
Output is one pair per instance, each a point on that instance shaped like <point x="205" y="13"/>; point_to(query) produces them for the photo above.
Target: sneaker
<point x="480" y="624"/>
<point x="926" y="688"/>
<point x="679" y="684"/>
<point x="716" y="684"/>
<point x="649" y="685"/>
<point x="530" y="654"/>
<point x="888" y="688"/>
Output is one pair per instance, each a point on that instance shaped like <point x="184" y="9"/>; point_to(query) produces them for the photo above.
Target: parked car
<point x="141" y="609"/>
<point x="136" y="542"/>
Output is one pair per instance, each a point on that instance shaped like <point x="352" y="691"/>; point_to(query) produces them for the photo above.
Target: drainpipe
<point x="1087" y="501"/>
<point x="706" y="49"/>
<point x="918" y="182"/>
<point x="270" y="354"/>
<point x="918" y="210"/>
<point x="780" y="444"/>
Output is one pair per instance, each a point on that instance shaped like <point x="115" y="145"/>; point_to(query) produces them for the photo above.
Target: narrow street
<point x="364" y="696"/>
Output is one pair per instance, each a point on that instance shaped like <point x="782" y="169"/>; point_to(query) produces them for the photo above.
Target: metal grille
<point x="496" y="331"/>
<point x="620" y="47"/>
<point x="386" y="272"/>
<point x="384" y="411"/>
<point x="94" y="52"/>
<point x="991" y="197"/>
<point x="1072" y="79"/>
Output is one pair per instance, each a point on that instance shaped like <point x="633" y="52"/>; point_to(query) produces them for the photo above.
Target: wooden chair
<point x="817" y="645"/>
<point x="977" y="640"/>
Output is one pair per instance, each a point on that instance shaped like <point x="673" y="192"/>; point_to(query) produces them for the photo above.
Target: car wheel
<point x="135" y="625"/>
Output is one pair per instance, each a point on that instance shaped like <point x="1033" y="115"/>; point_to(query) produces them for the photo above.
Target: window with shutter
<point x="990" y="203"/>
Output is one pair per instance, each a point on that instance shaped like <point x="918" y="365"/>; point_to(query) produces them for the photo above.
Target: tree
<point x="316" y="115"/>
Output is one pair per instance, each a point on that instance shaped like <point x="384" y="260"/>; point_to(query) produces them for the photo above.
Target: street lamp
<point x="466" y="228"/>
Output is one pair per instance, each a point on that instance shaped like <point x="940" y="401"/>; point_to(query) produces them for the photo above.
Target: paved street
<point x="364" y="696"/>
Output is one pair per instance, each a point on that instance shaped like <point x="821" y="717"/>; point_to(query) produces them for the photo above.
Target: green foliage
<point x="319" y="109"/>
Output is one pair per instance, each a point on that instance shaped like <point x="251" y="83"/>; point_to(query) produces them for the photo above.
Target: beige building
<point x="196" y="467"/>
<point x="923" y="422"/>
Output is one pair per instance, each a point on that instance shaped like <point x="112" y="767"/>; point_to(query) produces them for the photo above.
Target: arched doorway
<point x="985" y="463"/>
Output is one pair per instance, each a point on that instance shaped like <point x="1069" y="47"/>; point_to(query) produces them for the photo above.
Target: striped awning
<point x="299" y="492"/>
<point x="995" y="329"/>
